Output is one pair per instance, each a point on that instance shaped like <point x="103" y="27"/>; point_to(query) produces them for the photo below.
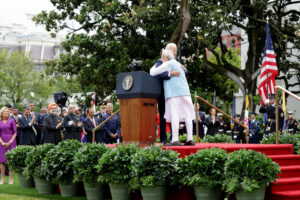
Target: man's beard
<point x="53" y="113"/>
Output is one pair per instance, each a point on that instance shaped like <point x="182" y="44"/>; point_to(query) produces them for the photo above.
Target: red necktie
<point x="93" y="121"/>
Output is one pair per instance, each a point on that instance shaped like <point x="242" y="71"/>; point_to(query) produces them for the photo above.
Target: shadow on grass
<point x="15" y="189"/>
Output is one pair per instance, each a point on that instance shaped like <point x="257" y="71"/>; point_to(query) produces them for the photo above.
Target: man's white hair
<point x="109" y="104"/>
<point x="167" y="53"/>
<point x="170" y="45"/>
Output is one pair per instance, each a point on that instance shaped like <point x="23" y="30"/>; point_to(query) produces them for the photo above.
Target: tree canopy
<point x="106" y="35"/>
<point x="19" y="81"/>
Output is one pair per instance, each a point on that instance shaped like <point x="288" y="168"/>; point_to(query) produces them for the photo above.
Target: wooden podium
<point x="138" y="93"/>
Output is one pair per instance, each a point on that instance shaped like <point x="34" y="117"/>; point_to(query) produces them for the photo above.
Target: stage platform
<point x="287" y="188"/>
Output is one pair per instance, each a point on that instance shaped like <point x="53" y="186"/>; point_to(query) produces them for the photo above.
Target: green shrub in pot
<point x="153" y="169"/>
<point x="115" y="168"/>
<point x="285" y="138"/>
<point x="16" y="162"/>
<point x="248" y="171"/>
<point x="85" y="161"/>
<point x="218" y="138"/>
<point x="204" y="171"/>
<point x="57" y="166"/>
<point x="33" y="164"/>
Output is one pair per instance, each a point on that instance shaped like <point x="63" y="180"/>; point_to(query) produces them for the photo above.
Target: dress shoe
<point x="189" y="143"/>
<point x="174" y="144"/>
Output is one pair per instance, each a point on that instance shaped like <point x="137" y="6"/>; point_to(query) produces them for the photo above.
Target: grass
<point x="14" y="192"/>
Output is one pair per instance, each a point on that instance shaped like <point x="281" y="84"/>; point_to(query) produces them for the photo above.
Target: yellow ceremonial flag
<point x="283" y="102"/>
<point x="247" y="102"/>
<point x="246" y="117"/>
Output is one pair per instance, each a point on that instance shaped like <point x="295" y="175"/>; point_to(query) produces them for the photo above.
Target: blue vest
<point x="176" y="86"/>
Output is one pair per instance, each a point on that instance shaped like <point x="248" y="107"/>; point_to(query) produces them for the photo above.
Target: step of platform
<point x="285" y="184"/>
<point x="290" y="171"/>
<point x="267" y="149"/>
<point x="286" y="195"/>
<point x="284" y="160"/>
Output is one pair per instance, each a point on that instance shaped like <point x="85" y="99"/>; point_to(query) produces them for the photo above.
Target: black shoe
<point x="174" y="144"/>
<point x="189" y="143"/>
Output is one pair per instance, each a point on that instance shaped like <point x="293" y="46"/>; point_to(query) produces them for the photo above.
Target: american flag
<point x="268" y="70"/>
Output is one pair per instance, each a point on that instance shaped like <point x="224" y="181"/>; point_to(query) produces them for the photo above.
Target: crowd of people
<point x="49" y="126"/>
<point x="214" y="123"/>
<point x="175" y="110"/>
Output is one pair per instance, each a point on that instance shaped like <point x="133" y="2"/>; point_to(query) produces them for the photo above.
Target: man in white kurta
<point x="179" y="106"/>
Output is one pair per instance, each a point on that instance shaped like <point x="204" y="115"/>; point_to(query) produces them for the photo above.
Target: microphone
<point x="135" y="65"/>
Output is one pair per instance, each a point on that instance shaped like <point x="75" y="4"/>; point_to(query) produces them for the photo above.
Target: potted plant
<point x="16" y="162"/>
<point x="218" y="138"/>
<point x="204" y="171"/>
<point x="33" y="164"/>
<point x="153" y="169"/>
<point x="85" y="161"/>
<point x="115" y="168"/>
<point x="284" y="139"/>
<point x="57" y="167"/>
<point x="248" y="173"/>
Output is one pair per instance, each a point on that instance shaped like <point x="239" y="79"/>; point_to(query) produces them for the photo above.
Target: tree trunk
<point x="183" y="23"/>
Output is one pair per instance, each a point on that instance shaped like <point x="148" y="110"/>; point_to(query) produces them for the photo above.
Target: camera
<point x="60" y="98"/>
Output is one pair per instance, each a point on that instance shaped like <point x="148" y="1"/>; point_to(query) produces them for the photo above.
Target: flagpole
<point x="277" y="117"/>
<point x="196" y="120"/>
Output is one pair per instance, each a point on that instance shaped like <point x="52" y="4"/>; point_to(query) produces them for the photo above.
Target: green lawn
<point x="14" y="192"/>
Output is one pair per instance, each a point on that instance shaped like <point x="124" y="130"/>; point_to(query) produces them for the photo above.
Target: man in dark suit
<point x="53" y="125"/>
<point x="36" y="125"/>
<point x="28" y="135"/>
<point x="72" y="124"/>
<point x="201" y="123"/>
<point x="43" y="113"/>
<point x="90" y="123"/>
<point x="16" y="116"/>
<point x="113" y="125"/>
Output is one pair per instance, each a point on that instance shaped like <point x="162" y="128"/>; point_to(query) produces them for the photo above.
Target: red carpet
<point x="288" y="185"/>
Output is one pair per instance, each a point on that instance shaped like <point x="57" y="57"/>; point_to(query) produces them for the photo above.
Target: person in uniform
<point x="223" y="125"/>
<point x="72" y="124"/>
<point x="291" y="123"/>
<point x="113" y="125"/>
<point x="254" y="126"/>
<point x="53" y="125"/>
<point x="270" y="108"/>
<point x="238" y="131"/>
<point x="103" y="111"/>
<point x="201" y="122"/>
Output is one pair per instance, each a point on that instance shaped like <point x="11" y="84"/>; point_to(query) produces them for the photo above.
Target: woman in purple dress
<point x="8" y="133"/>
